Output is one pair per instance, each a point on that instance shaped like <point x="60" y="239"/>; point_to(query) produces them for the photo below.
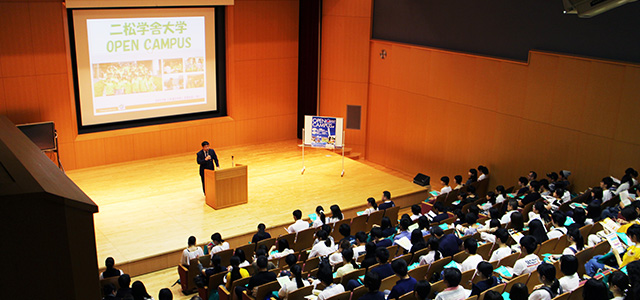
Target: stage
<point x="148" y="208"/>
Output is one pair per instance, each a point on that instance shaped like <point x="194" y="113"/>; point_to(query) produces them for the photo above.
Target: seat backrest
<point x="419" y="272"/>
<point x="520" y="279"/>
<point x="465" y="279"/>
<point x="300" y="293"/>
<point x="393" y="249"/>
<point x="234" y="284"/>
<point x="225" y="256"/>
<point x="248" y="249"/>
<point x="304" y="239"/>
<point x="437" y="266"/>
<point x="351" y="275"/>
<point x="577" y="293"/>
<point x="205" y="260"/>
<point x="498" y="288"/>
<point x="388" y="283"/>
<point x="268" y="242"/>
<point x="533" y="281"/>
<point x="311" y="263"/>
<point x="416" y="256"/>
<point x="406" y="258"/>
<point x="510" y="260"/>
<point x="601" y="248"/>
<point x="342" y="296"/>
<point x="113" y="280"/>
<point x="359" y="223"/>
<point x="290" y="237"/>
<point x="407" y="296"/>
<point x="215" y="280"/>
<point x="336" y="232"/>
<point x="564" y="296"/>
<point x="547" y="246"/>
<point x="263" y="290"/>
<point x="485" y="251"/>
<point x="460" y="256"/>
<point x="437" y="288"/>
<point x="358" y="292"/>
<point x="192" y="273"/>
<point x="375" y="218"/>
<point x="392" y="214"/>
<point x="584" y="231"/>
<point x="583" y="257"/>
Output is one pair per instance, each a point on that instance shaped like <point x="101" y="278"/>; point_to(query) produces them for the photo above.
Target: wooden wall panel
<point x="556" y="112"/>
<point x="262" y="39"/>
<point x="344" y="63"/>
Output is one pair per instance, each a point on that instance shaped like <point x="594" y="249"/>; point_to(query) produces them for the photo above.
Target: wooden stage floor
<point x="150" y="207"/>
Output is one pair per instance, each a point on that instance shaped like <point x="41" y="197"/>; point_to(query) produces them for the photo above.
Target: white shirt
<point x="500" y="198"/>
<point x="445" y="189"/>
<point x="102" y="277"/>
<point x="507" y="217"/>
<point x="471" y="263"/>
<point x="299" y="225"/>
<point x="569" y="250"/>
<point x="482" y="176"/>
<point x="359" y="250"/>
<point x="331" y="290"/>
<point x="335" y="258"/>
<point x="187" y="255"/>
<point x="317" y="223"/>
<point x="290" y="287"/>
<point x="347" y="268"/>
<point x="284" y="253"/>
<point x="415" y="217"/>
<point x="540" y="294"/>
<point x="369" y="210"/>
<point x="606" y="195"/>
<point x="485" y="236"/>
<point x="557" y="232"/>
<point x="457" y="293"/>
<point x="332" y="220"/>
<point x="500" y="253"/>
<point x="216" y="249"/>
<point x="428" y="258"/>
<point x="622" y="187"/>
<point x="321" y="249"/>
<point x="569" y="282"/>
<point x="526" y="264"/>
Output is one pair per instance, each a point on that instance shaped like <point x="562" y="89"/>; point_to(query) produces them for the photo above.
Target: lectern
<point x="226" y="187"/>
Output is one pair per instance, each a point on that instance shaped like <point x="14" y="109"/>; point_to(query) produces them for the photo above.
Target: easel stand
<point x="303" y="167"/>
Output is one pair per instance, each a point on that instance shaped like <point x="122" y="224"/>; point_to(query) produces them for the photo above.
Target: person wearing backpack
<point x="550" y="286"/>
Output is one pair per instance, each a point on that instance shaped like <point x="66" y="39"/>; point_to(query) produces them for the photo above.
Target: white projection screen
<point x="136" y="64"/>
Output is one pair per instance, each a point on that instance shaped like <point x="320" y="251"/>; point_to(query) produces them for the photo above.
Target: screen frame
<point x="221" y="79"/>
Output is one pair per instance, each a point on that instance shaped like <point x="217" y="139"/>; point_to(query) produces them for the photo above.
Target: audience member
<point x="487" y="280"/>
<point x="165" y="294"/>
<point x="569" y="267"/>
<point x="550" y="286"/>
<point x="454" y="290"/>
<point x="449" y="243"/>
<point x="336" y="214"/>
<point x="111" y="271"/>
<point x="324" y="247"/>
<point x="109" y="291"/>
<point x="191" y="252"/>
<point x="235" y="272"/>
<point x="595" y="290"/>
<point x="261" y="234"/>
<point x="422" y="290"/>
<point x="321" y="219"/>
<point x="372" y="206"/>
<point x="295" y="283"/>
<point x="217" y="244"/>
<point x="386" y="201"/>
<point x="618" y="284"/>
<point x="503" y="250"/>
<point x="406" y="284"/>
<point x="472" y="261"/>
<point x="139" y="291"/>
<point x="124" y="281"/>
<point x="325" y="276"/>
<point x="298" y="224"/>
<point x="372" y="282"/>
<point x="519" y="291"/>
<point x="530" y="261"/>
<point x="384" y="269"/>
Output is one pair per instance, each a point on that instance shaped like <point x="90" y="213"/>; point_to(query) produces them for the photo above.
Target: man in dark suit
<point x="205" y="159"/>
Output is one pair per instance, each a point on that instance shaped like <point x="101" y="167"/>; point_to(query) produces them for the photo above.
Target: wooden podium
<point x="226" y="187"/>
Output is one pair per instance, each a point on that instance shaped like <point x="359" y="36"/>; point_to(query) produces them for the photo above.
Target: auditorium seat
<point x="437" y="266"/>
<point x="374" y="219"/>
<point x="113" y="280"/>
<point x="392" y="214"/>
<point x="214" y="281"/>
<point x="248" y="249"/>
<point x="465" y="280"/>
<point x="359" y="223"/>
<point x="547" y="246"/>
<point x="520" y="279"/>
<point x="357" y="292"/>
<point x="304" y="239"/>
<point x="267" y="242"/>
<point x="498" y="288"/>
<point x="300" y="293"/>
<point x="187" y="276"/>
<point x="225" y="294"/>
<point x="261" y="291"/>
<point x="346" y="295"/>
<point x="436" y="288"/>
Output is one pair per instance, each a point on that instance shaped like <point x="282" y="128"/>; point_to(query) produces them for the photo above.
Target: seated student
<point x="550" y="286"/>
<point x="261" y="277"/>
<point x="282" y="250"/>
<point x="290" y="260"/>
<point x="406" y="284"/>
<point x="576" y="242"/>
<point x="387" y="229"/>
<point x="517" y="221"/>
<point x="361" y="241"/>
<point x="328" y="229"/>
<point x="321" y="218"/>
<point x="386" y="201"/>
<point x="422" y="290"/>
<point x="523" y="183"/>
<point x="579" y="217"/>
<point x="243" y="259"/>
<point x="372" y="282"/>
<point x="191" y="252"/>
<point x="423" y="225"/>
<point x="561" y="197"/>
<point x="261" y="234"/>
<point x="295" y="283"/>
<point x="449" y="243"/>
<point x="444" y="181"/>
<point x="618" y="284"/>
<point x="345" y="231"/>
<point x="109" y="292"/>
<point x="595" y="290"/>
<point x="519" y="291"/>
<point x="473" y="177"/>
<point x="404" y="229"/>
<point x="369" y="256"/>
<point x="325" y="275"/>
<point x="110" y="271"/>
<point x="439" y="212"/>
<point x="434" y="253"/>
<point x="471" y="220"/>
<point x="503" y="250"/>
<point x="563" y="179"/>
<point x="417" y="241"/>
<point x="530" y="261"/>
<point x="336" y="214"/>
<point x="324" y="247"/>
<point x="299" y="224"/>
<point x="416" y="212"/>
<point x="538" y="231"/>
<point x="336" y="257"/>
<point x="124" y="281"/>
<point x="540" y="212"/>
<point x="376" y="238"/>
<point x="349" y="263"/>
<point x="217" y="244"/>
<point x="632" y="252"/>
<point x="165" y="294"/>
<point x="139" y="291"/>
<point x="606" y="184"/>
<point x="384" y="269"/>
<point x="471" y="262"/>
<point x="558" y="219"/>
<point x="372" y="206"/>
<point x="629" y="217"/>
<point x="486" y="234"/>
<point x="454" y="290"/>
<point x="458" y="180"/>
<point x="484" y="172"/>
<point x="512" y="206"/>
<point x="487" y="280"/>
<point x="596" y="196"/>
<point x="215" y="268"/>
<point x="569" y="267"/>
<point x="532" y="195"/>
<point x="235" y="272"/>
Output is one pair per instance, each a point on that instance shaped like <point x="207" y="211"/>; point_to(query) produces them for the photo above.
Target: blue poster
<point x="323" y="132"/>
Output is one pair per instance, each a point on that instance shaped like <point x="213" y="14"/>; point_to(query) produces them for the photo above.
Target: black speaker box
<point x="421" y="179"/>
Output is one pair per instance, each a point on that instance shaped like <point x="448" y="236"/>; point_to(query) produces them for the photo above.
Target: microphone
<point x="232" y="163"/>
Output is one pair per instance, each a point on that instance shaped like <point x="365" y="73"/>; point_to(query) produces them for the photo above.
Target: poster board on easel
<point x="323" y="132"/>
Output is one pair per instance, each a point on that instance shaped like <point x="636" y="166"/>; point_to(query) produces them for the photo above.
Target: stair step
<point x="354" y="155"/>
